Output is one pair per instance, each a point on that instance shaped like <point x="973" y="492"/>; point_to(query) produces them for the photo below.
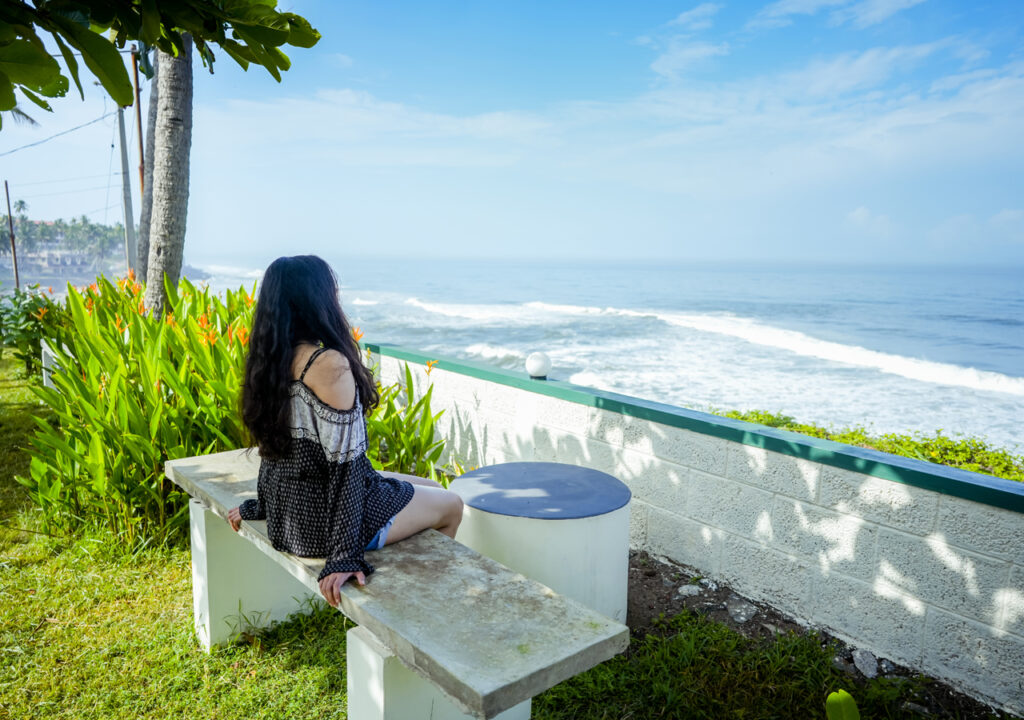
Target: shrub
<point x="964" y="453"/>
<point x="132" y="391"/>
<point x="26" y="318"/>
<point x="401" y="431"/>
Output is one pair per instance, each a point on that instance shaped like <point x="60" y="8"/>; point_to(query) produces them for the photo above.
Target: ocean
<point x="910" y="350"/>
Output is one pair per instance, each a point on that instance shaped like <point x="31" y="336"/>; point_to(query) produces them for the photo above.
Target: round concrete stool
<point x="562" y="525"/>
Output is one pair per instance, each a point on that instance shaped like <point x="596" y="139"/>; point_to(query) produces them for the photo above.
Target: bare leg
<point x="431" y="507"/>
<point x="415" y="480"/>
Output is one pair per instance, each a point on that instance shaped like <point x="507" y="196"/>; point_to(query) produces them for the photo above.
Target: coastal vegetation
<point x="90" y="628"/>
<point x="95" y="571"/>
<point x="132" y="390"/>
<point x="76" y="237"/>
<point x="965" y="453"/>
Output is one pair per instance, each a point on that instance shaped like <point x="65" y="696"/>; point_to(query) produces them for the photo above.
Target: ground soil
<point x="654" y="592"/>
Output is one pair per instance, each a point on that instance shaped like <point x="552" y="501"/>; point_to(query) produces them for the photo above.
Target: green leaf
<point x="26" y="64"/>
<point x="841" y="706"/>
<point x="300" y="32"/>
<point x="264" y="34"/>
<point x="102" y="58"/>
<point x="72" y="63"/>
<point x="36" y="99"/>
<point x="7" y="98"/>
<point x="151" y="22"/>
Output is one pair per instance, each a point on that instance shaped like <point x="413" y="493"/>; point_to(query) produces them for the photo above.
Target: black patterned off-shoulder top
<point x="324" y="499"/>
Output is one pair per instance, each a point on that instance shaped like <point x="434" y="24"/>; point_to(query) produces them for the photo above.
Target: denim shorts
<point x="380" y="539"/>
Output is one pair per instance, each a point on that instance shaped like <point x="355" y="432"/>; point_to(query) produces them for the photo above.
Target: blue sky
<point x="869" y="131"/>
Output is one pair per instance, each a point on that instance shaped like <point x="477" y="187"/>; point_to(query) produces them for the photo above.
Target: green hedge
<point x="132" y="391"/>
<point x="965" y="453"/>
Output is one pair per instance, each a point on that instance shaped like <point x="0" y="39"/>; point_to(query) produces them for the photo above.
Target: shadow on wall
<point x="928" y="580"/>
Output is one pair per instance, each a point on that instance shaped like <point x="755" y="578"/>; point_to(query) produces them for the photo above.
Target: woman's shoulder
<point x="330" y="378"/>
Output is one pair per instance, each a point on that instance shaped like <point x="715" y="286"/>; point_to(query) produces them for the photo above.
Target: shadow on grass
<point x="18" y="407"/>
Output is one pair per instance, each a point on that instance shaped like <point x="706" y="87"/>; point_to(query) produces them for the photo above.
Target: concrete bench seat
<point x="488" y="638"/>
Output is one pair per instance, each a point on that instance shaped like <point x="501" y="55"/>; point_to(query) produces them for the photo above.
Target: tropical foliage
<point x="968" y="453"/>
<point x="27" y="316"/>
<point x="249" y="31"/>
<point x="132" y="390"/>
<point x="80" y="234"/>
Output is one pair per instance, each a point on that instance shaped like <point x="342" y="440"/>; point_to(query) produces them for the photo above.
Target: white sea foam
<point x="807" y="346"/>
<point x="504" y="356"/>
<point x="484" y="313"/>
<point x="591" y="379"/>
<point x="750" y="331"/>
<point x="228" y="271"/>
<point x="361" y="301"/>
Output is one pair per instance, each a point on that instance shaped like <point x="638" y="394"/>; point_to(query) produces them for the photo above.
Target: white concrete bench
<point x="484" y="638"/>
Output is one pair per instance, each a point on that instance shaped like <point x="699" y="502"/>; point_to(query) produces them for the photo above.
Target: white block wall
<point x="926" y="579"/>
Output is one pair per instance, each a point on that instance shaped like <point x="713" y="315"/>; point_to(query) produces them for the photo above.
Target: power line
<point x="64" y="192"/>
<point x="40" y="142"/>
<point x="52" y="182"/>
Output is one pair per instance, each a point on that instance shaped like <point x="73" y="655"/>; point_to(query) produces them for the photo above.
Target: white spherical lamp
<point x="538" y="365"/>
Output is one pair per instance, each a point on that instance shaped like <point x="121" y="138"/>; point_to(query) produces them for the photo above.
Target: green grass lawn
<point x="87" y="631"/>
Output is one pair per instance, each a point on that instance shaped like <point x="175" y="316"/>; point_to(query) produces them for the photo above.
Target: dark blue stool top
<point x="551" y="491"/>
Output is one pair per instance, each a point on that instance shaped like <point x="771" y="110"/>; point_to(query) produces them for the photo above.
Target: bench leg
<point x="234" y="585"/>
<point x="381" y="687"/>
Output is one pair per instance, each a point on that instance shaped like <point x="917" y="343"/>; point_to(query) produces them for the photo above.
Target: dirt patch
<point x="660" y="588"/>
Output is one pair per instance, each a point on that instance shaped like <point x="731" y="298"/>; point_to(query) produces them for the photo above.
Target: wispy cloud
<point x="860" y="15"/>
<point x="778" y="14"/>
<point x="699" y="18"/>
<point x="681" y="55"/>
<point x="855" y="71"/>
<point x="870" y="12"/>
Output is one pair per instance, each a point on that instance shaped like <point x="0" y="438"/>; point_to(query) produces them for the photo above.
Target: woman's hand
<point x="330" y="586"/>
<point x="234" y="519"/>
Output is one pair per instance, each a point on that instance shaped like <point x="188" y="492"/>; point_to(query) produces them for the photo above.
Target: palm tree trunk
<point x="146" y="213"/>
<point x="172" y="144"/>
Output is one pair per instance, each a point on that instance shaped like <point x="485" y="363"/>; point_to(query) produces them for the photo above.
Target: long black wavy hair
<point x="298" y="302"/>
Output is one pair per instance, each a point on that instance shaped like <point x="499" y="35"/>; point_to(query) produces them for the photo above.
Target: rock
<point x="709" y="584"/>
<point x="843" y="665"/>
<point x="688" y="591"/>
<point x="773" y="629"/>
<point x="668" y="582"/>
<point x="739" y="609"/>
<point x="866" y="663"/>
<point x="888" y="667"/>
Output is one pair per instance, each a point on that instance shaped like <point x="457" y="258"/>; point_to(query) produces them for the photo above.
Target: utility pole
<point x="10" y="222"/>
<point x="130" y="249"/>
<point x="138" y="122"/>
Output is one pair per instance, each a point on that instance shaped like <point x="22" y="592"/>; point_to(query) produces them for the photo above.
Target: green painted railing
<point x="973" y="486"/>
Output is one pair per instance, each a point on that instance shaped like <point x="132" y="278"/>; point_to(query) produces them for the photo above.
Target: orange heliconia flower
<point x="131" y="274"/>
<point x="204" y="322"/>
<point x="357" y="334"/>
<point x="50" y="289"/>
<point x="242" y="334"/>
<point x="430" y="365"/>
<point x="38" y="315"/>
<point x="170" y="319"/>
<point x="209" y="337"/>
<point x="93" y="288"/>
<point x="142" y="308"/>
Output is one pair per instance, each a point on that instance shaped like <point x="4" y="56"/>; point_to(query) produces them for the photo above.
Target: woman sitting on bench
<point x="304" y="401"/>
